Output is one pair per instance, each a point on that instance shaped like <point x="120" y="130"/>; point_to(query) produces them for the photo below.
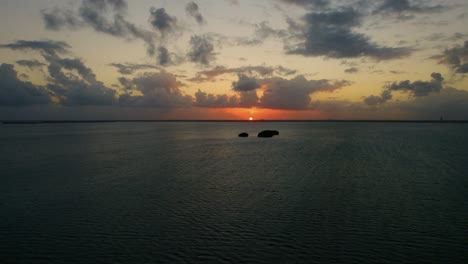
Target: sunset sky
<point x="233" y="59"/>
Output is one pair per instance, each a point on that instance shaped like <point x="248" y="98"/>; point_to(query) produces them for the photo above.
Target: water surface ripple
<point x="196" y="193"/>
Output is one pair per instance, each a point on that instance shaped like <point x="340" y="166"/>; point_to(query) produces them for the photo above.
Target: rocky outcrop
<point x="244" y="134"/>
<point x="268" y="133"/>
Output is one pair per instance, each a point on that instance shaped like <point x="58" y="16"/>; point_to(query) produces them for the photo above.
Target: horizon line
<point x="6" y="122"/>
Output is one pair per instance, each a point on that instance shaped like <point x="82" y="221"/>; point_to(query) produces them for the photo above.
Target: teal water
<point x="196" y="193"/>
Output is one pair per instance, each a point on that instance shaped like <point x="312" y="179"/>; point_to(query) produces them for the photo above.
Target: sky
<point x="233" y="59"/>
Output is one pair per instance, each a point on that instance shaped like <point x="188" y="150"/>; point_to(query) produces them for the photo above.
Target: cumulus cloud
<point x="49" y="47"/>
<point x="14" y="92"/>
<point x="449" y="103"/>
<point x="201" y="50"/>
<point x="245" y="84"/>
<point x="31" y="64"/>
<point x="75" y="84"/>
<point x="248" y="99"/>
<point x="456" y="57"/>
<point x="105" y="16"/>
<point x="131" y="68"/>
<point x="162" y="21"/>
<point x="157" y="90"/>
<point x="70" y="81"/>
<point x="295" y="94"/>
<point x="376" y="100"/>
<point x="203" y="99"/>
<point x="193" y="11"/>
<point x="418" y="88"/>
<point x="331" y="34"/>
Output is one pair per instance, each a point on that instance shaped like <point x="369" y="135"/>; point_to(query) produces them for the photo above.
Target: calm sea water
<point x="196" y="193"/>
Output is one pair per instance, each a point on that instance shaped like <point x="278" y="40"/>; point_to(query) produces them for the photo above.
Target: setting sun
<point x="250" y="118"/>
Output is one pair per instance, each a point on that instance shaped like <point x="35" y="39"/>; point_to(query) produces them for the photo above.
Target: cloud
<point x="31" y="64"/>
<point x="308" y="3"/>
<point x="201" y="50"/>
<point x="295" y="94"/>
<point x="456" y="58"/>
<point x="131" y="68"/>
<point x="330" y="34"/>
<point x="262" y="71"/>
<point x="203" y="99"/>
<point x="193" y="11"/>
<point x="245" y="84"/>
<point x="75" y="84"/>
<point x="240" y="100"/>
<point x="351" y="70"/>
<point x="450" y="103"/>
<point x="262" y="32"/>
<point x="162" y="21"/>
<point x="248" y="99"/>
<point x="49" y="47"/>
<point x="400" y="6"/>
<point x="57" y="19"/>
<point x="14" y="92"/>
<point x="95" y="14"/>
<point x="418" y="88"/>
<point x="157" y="90"/>
<point x="167" y="58"/>
<point x="376" y="100"/>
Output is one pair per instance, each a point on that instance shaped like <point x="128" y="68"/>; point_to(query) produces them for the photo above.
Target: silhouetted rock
<point x="268" y="133"/>
<point x="244" y="134"/>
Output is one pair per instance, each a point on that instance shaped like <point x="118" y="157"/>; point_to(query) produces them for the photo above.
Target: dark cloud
<point x="308" y="3"/>
<point x="263" y="31"/>
<point x="162" y="21"/>
<point x="57" y="19"/>
<point x="331" y="34"/>
<point x="376" y="100"/>
<point x="418" y="88"/>
<point x="193" y="10"/>
<point x="262" y="71"/>
<point x="456" y="58"/>
<point x="248" y="99"/>
<point x="203" y="99"/>
<point x="351" y="70"/>
<point x="245" y="84"/>
<point x="164" y="57"/>
<point x="400" y="6"/>
<point x="240" y="100"/>
<point x="105" y="16"/>
<point x="295" y="94"/>
<point x="49" y="47"/>
<point x="158" y="90"/>
<point x="14" y="92"/>
<point x="31" y="64"/>
<point x="130" y="68"/>
<point x="450" y="103"/>
<point x="75" y="84"/>
<point x="201" y="50"/>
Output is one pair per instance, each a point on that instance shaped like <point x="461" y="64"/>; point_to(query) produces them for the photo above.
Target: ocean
<point x="194" y="192"/>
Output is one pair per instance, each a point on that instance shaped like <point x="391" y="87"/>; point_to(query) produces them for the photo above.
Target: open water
<point x="193" y="192"/>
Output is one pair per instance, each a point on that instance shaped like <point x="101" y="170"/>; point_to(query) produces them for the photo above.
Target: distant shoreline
<point x="211" y="121"/>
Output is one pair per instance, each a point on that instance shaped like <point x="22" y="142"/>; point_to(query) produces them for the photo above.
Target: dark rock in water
<point x="244" y="134"/>
<point x="268" y="133"/>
